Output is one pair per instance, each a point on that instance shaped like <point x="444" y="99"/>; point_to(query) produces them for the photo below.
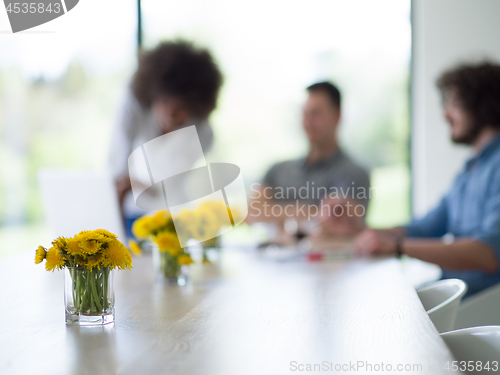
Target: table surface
<point x="246" y="314"/>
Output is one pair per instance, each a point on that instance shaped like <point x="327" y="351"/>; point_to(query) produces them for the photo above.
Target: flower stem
<point x="169" y="265"/>
<point x="105" y="288"/>
<point x="97" y="304"/>
<point x="90" y="290"/>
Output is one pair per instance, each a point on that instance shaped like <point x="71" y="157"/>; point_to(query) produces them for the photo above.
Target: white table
<point x="247" y="315"/>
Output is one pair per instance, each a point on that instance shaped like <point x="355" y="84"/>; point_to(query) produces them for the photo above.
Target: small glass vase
<point x="211" y="250"/>
<point x="167" y="268"/>
<point x="89" y="296"/>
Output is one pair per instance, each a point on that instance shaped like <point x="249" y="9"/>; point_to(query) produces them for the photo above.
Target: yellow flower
<point x="94" y="248"/>
<point x="54" y="259"/>
<point x="79" y="260"/>
<point x="185" y="259"/>
<point x="134" y="247"/>
<point x="185" y="223"/>
<point x="141" y="228"/>
<point x="167" y="241"/>
<point x="187" y="216"/>
<point x="94" y="261"/>
<point x="59" y="243"/>
<point x="40" y="254"/>
<point x="210" y="216"/>
<point x="206" y="261"/>
<point x="117" y="256"/>
<point x="216" y="209"/>
<point x="90" y="246"/>
<point x="73" y="247"/>
<point x="106" y="233"/>
<point x="175" y="251"/>
<point x="206" y="229"/>
<point x="100" y="235"/>
<point x="160" y="219"/>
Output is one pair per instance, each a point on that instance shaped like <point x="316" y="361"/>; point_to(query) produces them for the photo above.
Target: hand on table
<point x="340" y="218"/>
<point x="372" y="241"/>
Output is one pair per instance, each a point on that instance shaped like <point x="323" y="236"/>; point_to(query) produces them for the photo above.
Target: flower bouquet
<point x="169" y="259"/>
<point x="89" y="259"/>
<point x="210" y="217"/>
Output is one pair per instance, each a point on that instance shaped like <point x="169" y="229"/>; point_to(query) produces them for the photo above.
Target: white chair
<point x="477" y="348"/>
<point x="441" y="300"/>
<point x="481" y="309"/>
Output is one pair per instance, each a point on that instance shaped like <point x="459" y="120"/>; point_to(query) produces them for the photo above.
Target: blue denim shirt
<point x="470" y="209"/>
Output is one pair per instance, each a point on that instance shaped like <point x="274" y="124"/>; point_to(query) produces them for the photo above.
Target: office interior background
<point x="59" y="99"/>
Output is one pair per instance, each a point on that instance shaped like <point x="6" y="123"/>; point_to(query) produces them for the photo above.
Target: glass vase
<point x="167" y="268"/>
<point x="211" y="250"/>
<point x="89" y="296"/>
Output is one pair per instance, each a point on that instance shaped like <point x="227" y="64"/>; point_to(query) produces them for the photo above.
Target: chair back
<point x="481" y="309"/>
<point x="477" y="347"/>
<point x="441" y="300"/>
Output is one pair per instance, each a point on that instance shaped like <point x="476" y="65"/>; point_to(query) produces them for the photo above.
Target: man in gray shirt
<point x="300" y="188"/>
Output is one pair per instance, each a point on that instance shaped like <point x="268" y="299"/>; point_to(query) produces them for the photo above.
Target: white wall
<point x="445" y="32"/>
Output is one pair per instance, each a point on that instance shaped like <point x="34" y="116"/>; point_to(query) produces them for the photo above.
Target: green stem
<point x="169" y="265"/>
<point x="84" y="296"/>
<point x="97" y="303"/>
<point x="76" y="286"/>
<point x="73" y="285"/>
<point x="90" y="290"/>
<point x="105" y="288"/>
<point x="89" y="293"/>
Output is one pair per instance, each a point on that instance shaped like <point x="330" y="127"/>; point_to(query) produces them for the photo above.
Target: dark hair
<point x="329" y="89"/>
<point x="180" y="70"/>
<point x="477" y="87"/>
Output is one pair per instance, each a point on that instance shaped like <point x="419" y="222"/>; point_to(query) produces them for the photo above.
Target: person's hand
<point x="341" y="217"/>
<point x="372" y="241"/>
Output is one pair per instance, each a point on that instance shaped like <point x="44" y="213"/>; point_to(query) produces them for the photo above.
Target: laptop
<point x="76" y="200"/>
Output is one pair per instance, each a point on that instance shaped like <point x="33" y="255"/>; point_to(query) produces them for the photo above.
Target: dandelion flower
<point x="142" y="227"/>
<point x="94" y="261"/>
<point x="160" y="219"/>
<point x="73" y="247"/>
<point x="134" y="247"/>
<point x="106" y="233"/>
<point x="215" y="208"/>
<point x="185" y="222"/>
<point x="168" y="242"/>
<point x="117" y="256"/>
<point x="54" y="259"/>
<point x="59" y="243"/>
<point x="95" y="235"/>
<point x="79" y="260"/>
<point x="90" y="247"/>
<point x="185" y="259"/>
<point x="40" y="254"/>
<point x="175" y="251"/>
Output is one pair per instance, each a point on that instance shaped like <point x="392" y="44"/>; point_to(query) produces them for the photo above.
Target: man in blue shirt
<point x="470" y="212"/>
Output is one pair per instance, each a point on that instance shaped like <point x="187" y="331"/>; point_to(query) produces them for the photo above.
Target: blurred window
<point x="270" y="51"/>
<point x="60" y="90"/>
<point x="60" y="84"/>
